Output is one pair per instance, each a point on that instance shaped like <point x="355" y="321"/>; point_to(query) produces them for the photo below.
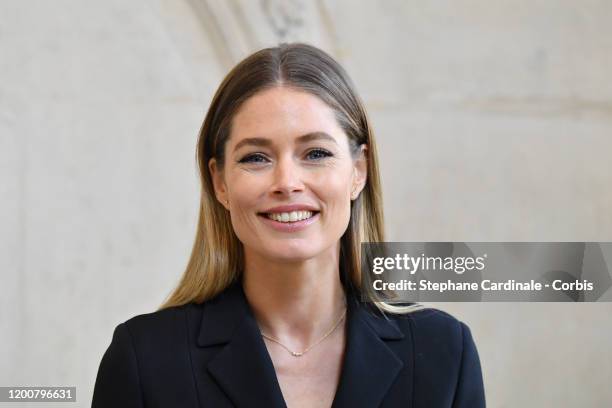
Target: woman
<point x="267" y="313"/>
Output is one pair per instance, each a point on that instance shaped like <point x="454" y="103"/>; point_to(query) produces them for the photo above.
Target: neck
<point x="295" y="302"/>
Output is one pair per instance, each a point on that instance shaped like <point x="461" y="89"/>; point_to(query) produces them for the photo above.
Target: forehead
<point x="283" y="112"/>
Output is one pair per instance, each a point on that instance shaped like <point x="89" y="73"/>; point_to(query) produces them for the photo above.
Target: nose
<point x="287" y="178"/>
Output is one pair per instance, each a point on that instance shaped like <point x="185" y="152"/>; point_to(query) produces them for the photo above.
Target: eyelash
<point x="247" y="159"/>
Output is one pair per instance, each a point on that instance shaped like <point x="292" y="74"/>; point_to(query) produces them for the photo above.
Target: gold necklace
<point x="301" y="353"/>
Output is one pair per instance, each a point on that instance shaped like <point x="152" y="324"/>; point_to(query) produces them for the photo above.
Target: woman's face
<point x="289" y="176"/>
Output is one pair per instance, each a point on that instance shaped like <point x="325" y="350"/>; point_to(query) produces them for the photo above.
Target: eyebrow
<point x="262" y="141"/>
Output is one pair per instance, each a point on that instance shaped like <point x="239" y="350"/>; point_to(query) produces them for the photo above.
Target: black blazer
<point x="213" y="355"/>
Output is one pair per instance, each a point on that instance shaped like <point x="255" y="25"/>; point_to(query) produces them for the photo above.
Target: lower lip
<point x="290" y="226"/>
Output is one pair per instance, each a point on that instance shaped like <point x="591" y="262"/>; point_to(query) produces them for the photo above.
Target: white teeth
<point x="290" y="216"/>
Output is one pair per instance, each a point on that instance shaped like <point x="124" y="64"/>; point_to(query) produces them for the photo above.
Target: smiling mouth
<point x="290" y="217"/>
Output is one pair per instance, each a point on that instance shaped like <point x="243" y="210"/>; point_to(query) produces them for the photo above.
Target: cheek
<point x="243" y="196"/>
<point x="244" y="189"/>
<point x="334" y="191"/>
<point x="243" y="202"/>
<point x="337" y="180"/>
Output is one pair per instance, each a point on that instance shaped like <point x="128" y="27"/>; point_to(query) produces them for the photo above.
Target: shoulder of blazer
<point x="435" y="331"/>
<point x="161" y="330"/>
<point x="148" y="353"/>
<point x="154" y="322"/>
<point x="444" y="354"/>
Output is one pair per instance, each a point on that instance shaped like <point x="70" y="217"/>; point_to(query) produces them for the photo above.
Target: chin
<point x="291" y="253"/>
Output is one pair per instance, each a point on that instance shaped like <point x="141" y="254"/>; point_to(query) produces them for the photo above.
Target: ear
<point x="360" y="172"/>
<point x="216" y="174"/>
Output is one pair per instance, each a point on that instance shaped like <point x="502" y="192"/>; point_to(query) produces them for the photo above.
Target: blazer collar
<point x="244" y="370"/>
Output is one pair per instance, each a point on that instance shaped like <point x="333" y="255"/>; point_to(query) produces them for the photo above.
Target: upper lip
<point x="290" y="208"/>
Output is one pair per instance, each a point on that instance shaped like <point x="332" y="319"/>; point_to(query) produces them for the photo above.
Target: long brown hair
<point x="217" y="256"/>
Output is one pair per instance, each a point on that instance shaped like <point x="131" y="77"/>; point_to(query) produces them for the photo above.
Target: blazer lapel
<point x="370" y="366"/>
<point x="243" y="368"/>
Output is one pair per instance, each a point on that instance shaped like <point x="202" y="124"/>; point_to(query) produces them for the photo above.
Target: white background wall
<point x="494" y="121"/>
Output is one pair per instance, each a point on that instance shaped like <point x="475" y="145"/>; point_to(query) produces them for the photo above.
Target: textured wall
<point x="494" y="120"/>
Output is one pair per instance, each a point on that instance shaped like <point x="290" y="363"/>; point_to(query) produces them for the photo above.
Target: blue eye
<point x="258" y="158"/>
<point x="318" y="154"/>
<point x="253" y="158"/>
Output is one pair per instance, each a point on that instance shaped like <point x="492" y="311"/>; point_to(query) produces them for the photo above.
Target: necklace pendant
<point x="296" y="354"/>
